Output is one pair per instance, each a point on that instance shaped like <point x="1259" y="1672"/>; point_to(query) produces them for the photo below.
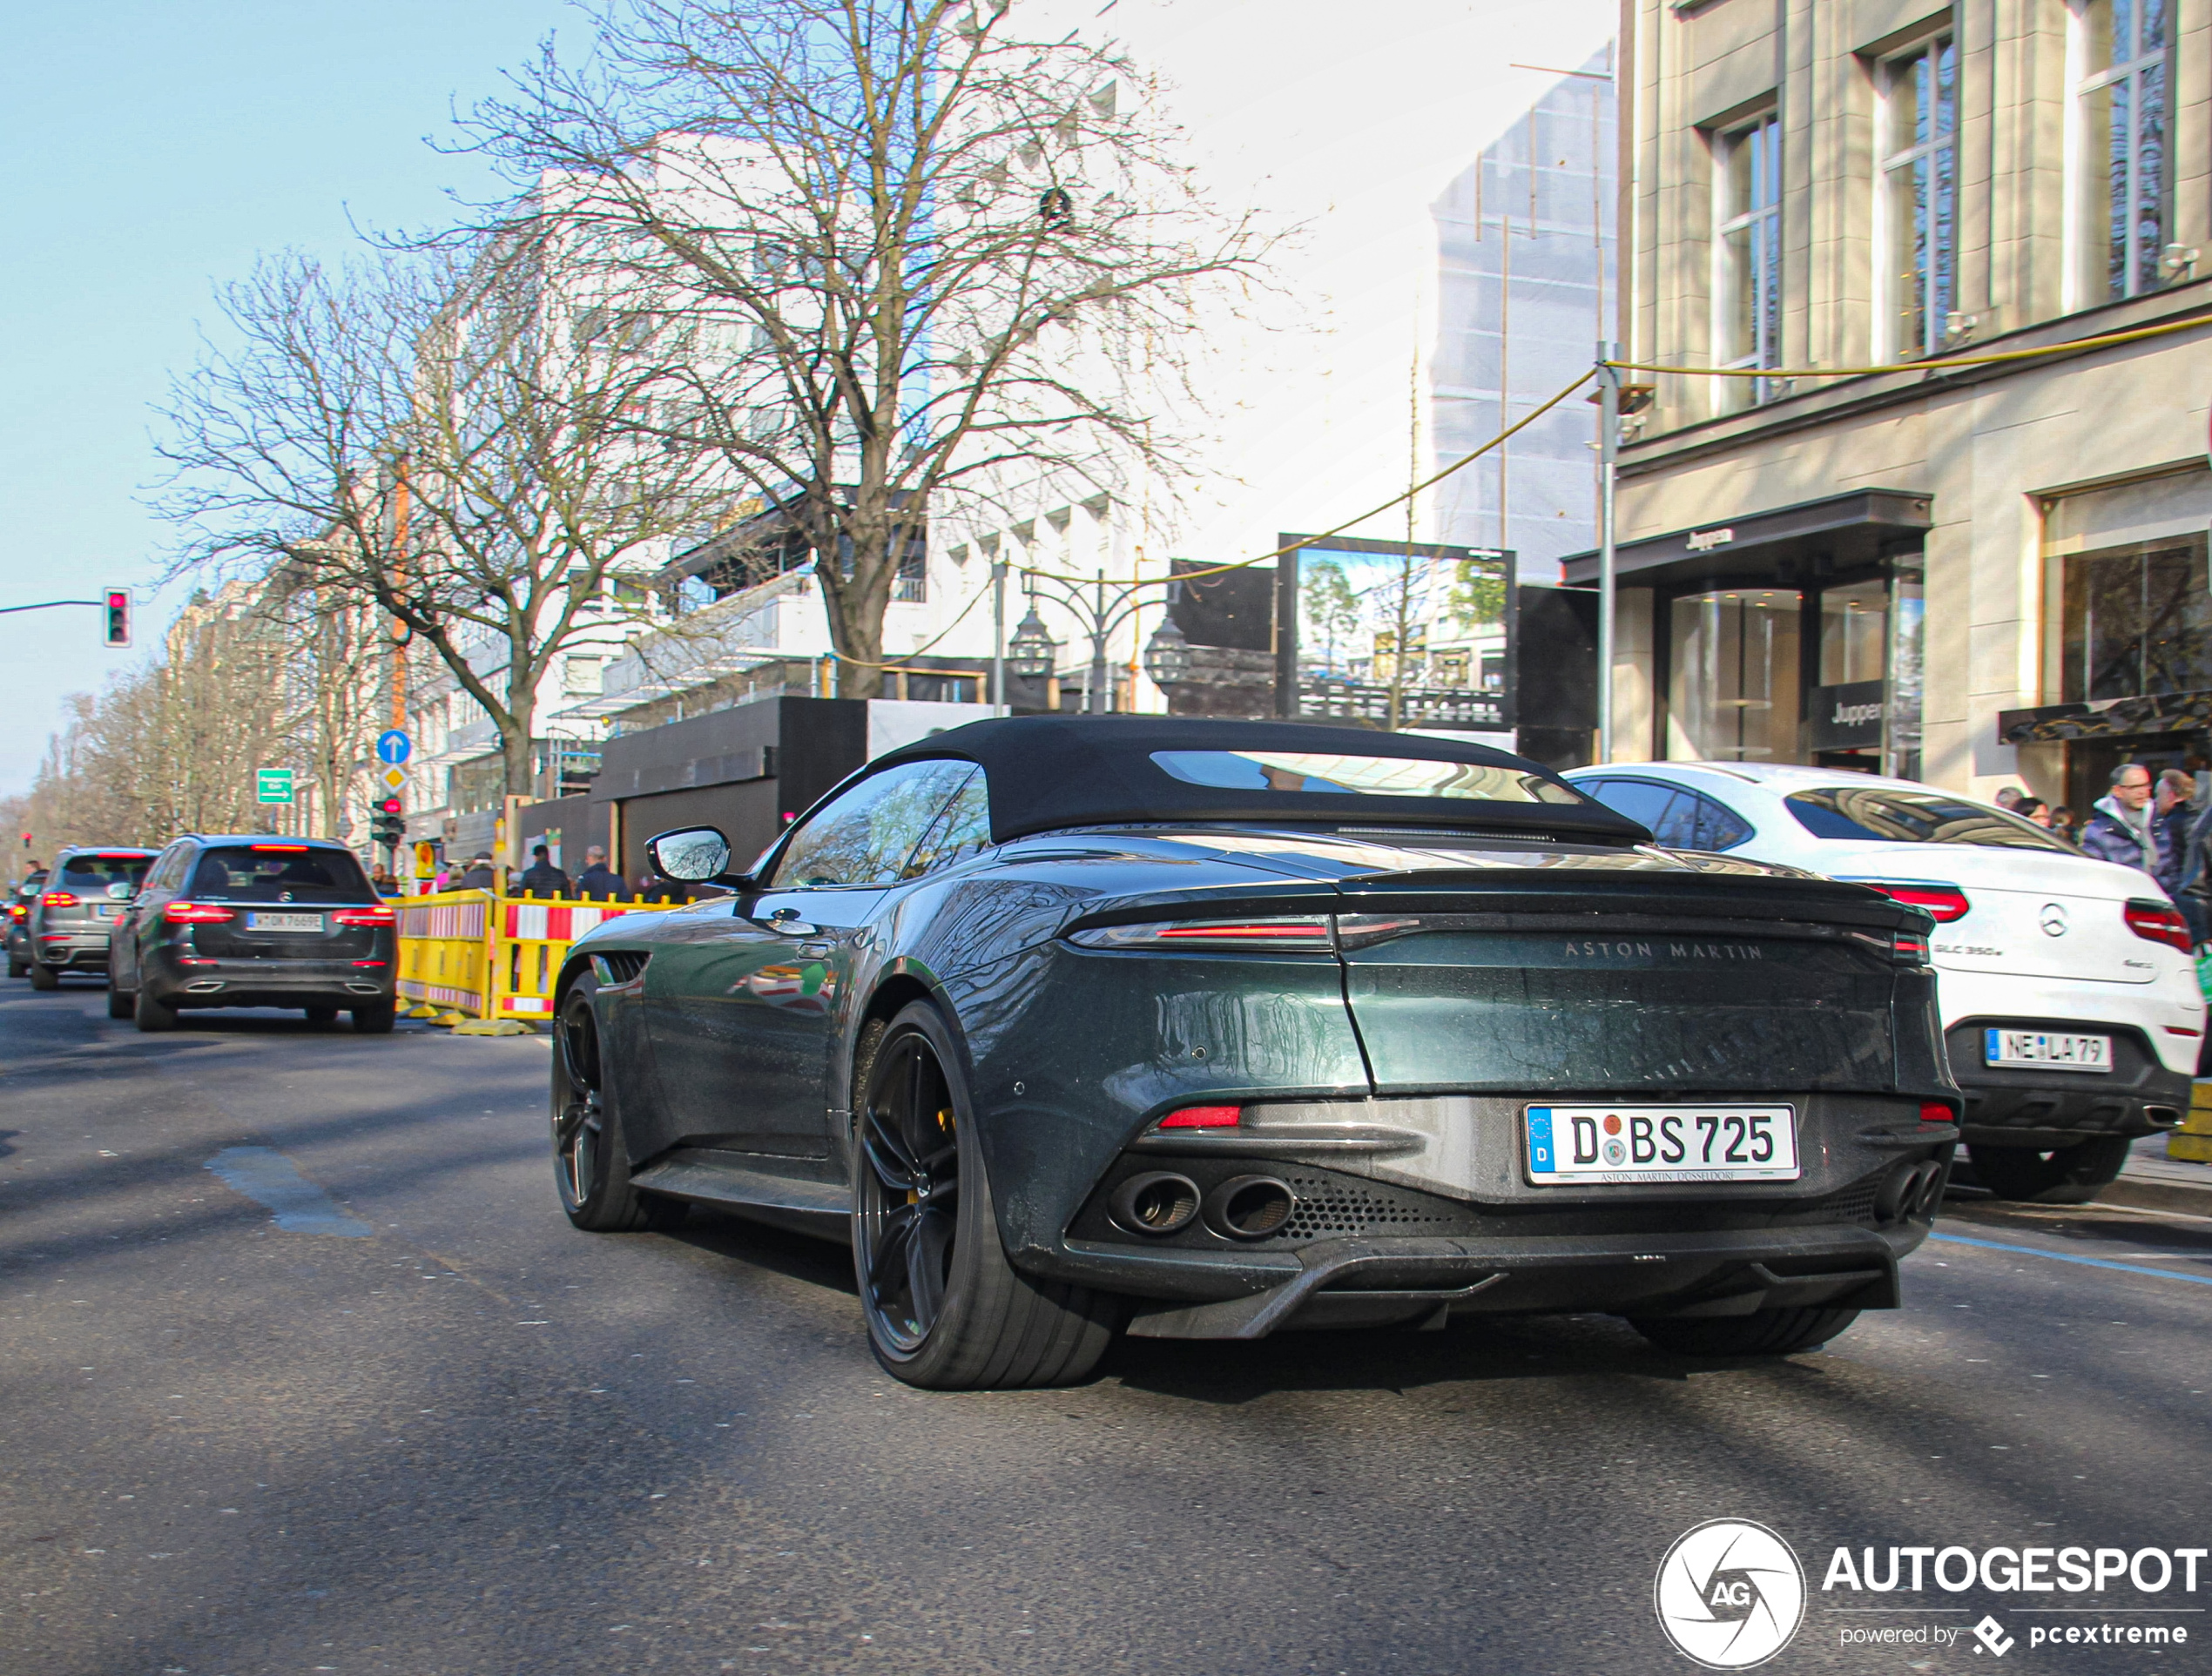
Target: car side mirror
<point x="121" y="891"/>
<point x="691" y="855"/>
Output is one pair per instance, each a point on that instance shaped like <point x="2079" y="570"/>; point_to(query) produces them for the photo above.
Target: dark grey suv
<point x="76" y="910"/>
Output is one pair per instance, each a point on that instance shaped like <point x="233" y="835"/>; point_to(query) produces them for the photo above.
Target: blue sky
<point x="155" y="147"/>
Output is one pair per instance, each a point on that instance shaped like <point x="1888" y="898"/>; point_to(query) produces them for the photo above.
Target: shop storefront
<point x="1788" y="636"/>
<point x="2127" y="637"/>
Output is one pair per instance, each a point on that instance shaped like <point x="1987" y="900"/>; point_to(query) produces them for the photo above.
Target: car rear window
<point x="96" y="872"/>
<point x="279" y="873"/>
<point x="1882" y="815"/>
<point x="1260" y="770"/>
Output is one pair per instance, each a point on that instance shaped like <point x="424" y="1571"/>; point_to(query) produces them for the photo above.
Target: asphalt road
<point x="455" y="1435"/>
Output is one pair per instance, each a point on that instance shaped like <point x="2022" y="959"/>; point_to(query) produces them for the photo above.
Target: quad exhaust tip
<point x="1158" y="1202"/>
<point x="1248" y="1207"/>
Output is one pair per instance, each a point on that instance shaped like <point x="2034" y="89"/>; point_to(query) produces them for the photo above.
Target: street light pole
<point x="1609" y="443"/>
<point x="1102" y="700"/>
<point x="998" y="635"/>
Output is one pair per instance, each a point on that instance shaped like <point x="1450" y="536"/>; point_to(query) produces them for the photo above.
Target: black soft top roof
<point x="1050" y="772"/>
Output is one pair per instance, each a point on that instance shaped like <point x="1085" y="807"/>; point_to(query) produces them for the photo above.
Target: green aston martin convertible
<point x="1200" y="1029"/>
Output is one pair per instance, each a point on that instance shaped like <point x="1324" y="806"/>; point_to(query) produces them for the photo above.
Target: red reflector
<point x="1202" y="1117"/>
<point x="1934" y="1111"/>
<point x="2157" y="923"/>
<point x="365" y="917"/>
<point x="2182" y="1030"/>
<point x="280" y="849"/>
<point x="1946" y="902"/>
<point x="195" y="913"/>
<point x="370" y="963"/>
<point x="58" y="899"/>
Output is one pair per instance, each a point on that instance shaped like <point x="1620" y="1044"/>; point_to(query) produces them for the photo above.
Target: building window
<point x="1748" y="251"/>
<point x="2122" y="176"/>
<point x="2135" y="621"/>
<point x="1732" y="693"/>
<point x="1918" y="215"/>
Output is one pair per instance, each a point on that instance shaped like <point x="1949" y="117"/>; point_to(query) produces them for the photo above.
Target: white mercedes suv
<point x="2071" y="1005"/>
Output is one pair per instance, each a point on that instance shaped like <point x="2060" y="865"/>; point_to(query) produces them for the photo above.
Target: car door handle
<point x="816" y="950"/>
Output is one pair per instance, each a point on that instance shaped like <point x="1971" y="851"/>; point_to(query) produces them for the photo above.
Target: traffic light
<point x="388" y="825"/>
<point x="115" y="616"/>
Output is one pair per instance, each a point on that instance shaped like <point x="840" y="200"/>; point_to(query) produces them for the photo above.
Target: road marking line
<point x="2086" y="1262"/>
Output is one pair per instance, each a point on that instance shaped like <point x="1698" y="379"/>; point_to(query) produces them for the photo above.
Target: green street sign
<point x="272" y="785"/>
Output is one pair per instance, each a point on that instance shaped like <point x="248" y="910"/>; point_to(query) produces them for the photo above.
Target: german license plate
<point x="2047" y="1051"/>
<point x="283" y="922"/>
<point x="107" y="913"/>
<point x="1576" y="1144"/>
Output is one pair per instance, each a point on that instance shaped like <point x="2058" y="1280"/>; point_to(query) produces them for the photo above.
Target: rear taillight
<point x="1934" y="1111"/>
<point x="1909" y="948"/>
<point x="365" y="917"/>
<point x="18" y="911"/>
<point x="2159" y="923"/>
<point x="1945" y="902"/>
<point x="1299" y="933"/>
<point x="195" y="913"/>
<point x="58" y="899"/>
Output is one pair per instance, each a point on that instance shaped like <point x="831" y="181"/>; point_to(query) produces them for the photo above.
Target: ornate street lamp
<point x="1033" y="651"/>
<point x="1167" y="655"/>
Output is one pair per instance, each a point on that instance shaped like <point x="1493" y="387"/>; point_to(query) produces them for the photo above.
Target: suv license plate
<point x="1573" y="1144"/>
<point x="2047" y="1051"/>
<point x="284" y="922"/>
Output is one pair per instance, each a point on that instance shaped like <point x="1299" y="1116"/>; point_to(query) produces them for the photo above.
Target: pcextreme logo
<point x="1730" y="1594"/>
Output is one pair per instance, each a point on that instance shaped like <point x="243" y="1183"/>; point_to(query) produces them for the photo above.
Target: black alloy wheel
<point x="151" y="1015"/>
<point x="945" y="1310"/>
<point x="2068" y="1175"/>
<point x="590" y="1164"/>
<point x="320" y="1014"/>
<point x="374" y="1020"/>
<point x="121" y="1003"/>
<point x="43" y="976"/>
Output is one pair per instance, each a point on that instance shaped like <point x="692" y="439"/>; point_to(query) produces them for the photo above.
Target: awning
<point x="1841" y="533"/>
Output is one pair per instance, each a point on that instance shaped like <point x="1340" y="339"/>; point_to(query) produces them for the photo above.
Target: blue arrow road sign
<point x="392" y="746"/>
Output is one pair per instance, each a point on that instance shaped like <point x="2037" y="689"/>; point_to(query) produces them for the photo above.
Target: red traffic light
<point x="390" y="805"/>
<point x="115" y="604"/>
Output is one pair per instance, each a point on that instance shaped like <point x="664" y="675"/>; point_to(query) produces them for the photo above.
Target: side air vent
<point x="619" y="967"/>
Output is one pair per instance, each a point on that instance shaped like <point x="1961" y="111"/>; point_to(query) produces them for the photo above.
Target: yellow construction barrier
<point x="492" y="957"/>
<point x="2192" y="1142"/>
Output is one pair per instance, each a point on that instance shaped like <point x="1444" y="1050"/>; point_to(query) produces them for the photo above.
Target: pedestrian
<point x="652" y="890"/>
<point x="596" y="883"/>
<point x="2122" y="828"/>
<point x="2008" y="797"/>
<point x="479" y="876"/>
<point x="541" y="878"/>
<point x="2034" y="809"/>
<point x="2174" y="821"/>
<point x="382" y="882"/>
<point x="2062" y="824"/>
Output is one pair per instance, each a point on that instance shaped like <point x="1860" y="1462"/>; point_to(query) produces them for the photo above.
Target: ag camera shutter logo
<point x="1730" y="1594"/>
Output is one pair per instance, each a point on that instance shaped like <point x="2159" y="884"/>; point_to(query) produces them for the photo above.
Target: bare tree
<point x="433" y="434"/>
<point x="916" y="257"/>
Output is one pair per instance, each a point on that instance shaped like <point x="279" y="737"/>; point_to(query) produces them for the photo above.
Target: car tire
<point x="320" y="1014"/>
<point x="1764" y="1332"/>
<point x="2071" y="1175"/>
<point x="372" y="1020"/>
<point x="591" y="1162"/>
<point x="16" y="968"/>
<point x="121" y="1003"/>
<point x="153" y="1015"/>
<point x="43" y="976"/>
<point x="944" y="1307"/>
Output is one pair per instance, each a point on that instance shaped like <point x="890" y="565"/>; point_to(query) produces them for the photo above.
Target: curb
<point x="2145" y="1195"/>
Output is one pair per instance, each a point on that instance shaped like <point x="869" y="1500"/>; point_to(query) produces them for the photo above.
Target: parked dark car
<point x="1207" y="1029"/>
<point x="253" y="921"/>
<point x="17" y="929"/>
<point x="73" y="914"/>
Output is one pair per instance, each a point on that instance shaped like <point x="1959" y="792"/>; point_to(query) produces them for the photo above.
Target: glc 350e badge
<point x="1730" y="1594"/>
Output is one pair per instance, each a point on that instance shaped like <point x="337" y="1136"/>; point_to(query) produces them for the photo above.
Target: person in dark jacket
<point x="596" y="883"/>
<point x="2122" y="829"/>
<point x="541" y="878"/>
<point x="2174" y="820"/>
<point x="481" y="876"/>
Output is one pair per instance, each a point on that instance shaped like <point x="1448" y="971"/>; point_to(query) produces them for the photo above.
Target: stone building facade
<point x="1974" y="574"/>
